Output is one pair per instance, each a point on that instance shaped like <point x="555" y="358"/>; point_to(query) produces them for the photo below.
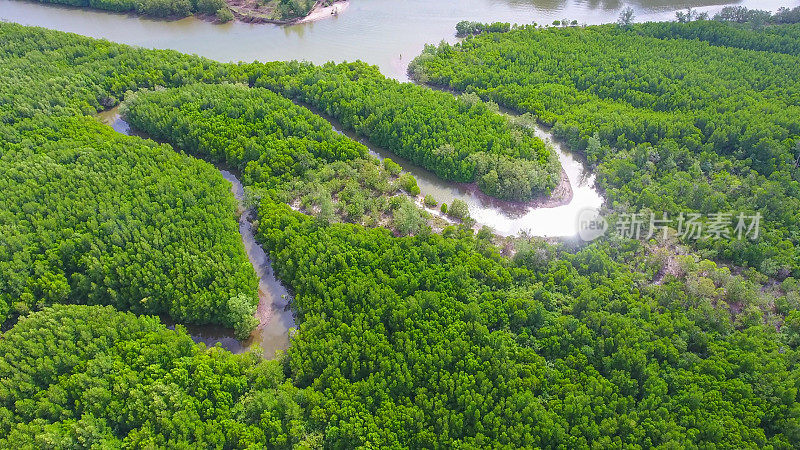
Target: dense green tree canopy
<point x="783" y="39"/>
<point x="90" y="376"/>
<point x="679" y="124"/>
<point x="460" y="139"/>
<point x="91" y="216"/>
<point x="152" y="8"/>
<point x="265" y="136"/>
<point x="430" y="340"/>
<point x="438" y="341"/>
<point x="280" y="149"/>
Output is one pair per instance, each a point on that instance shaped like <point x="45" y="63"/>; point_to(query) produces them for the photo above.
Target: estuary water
<point x="387" y="33"/>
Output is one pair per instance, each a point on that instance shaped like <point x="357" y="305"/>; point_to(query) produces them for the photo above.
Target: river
<point x="509" y="218"/>
<point x="388" y="33"/>
<point x="505" y="218"/>
<point x="274" y="314"/>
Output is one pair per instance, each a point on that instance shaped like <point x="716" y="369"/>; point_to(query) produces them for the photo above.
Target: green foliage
<point x="690" y="15"/>
<point x="291" y="9"/>
<point x="626" y="17"/>
<point x="153" y="8"/>
<point x="408" y="183"/>
<point x="91" y="216"/>
<point x="433" y="129"/>
<point x="423" y="341"/>
<point x="673" y="124"/>
<point x="354" y="191"/>
<point x="164" y="8"/>
<point x="510" y="178"/>
<point x="445" y="134"/>
<point x="458" y="209"/>
<point x="786" y="15"/>
<point x="278" y="10"/>
<point x="265" y="136"/>
<point x="791" y="329"/>
<point x="407" y="219"/>
<point x="782" y="39"/>
<point x="210" y="6"/>
<point x="111" y="5"/>
<point x="224" y="15"/>
<point x="46" y="72"/>
<point x="81" y="376"/>
<point x="391" y="166"/>
<point x="240" y="315"/>
<point x="277" y="146"/>
<point x="742" y="15"/>
<point x="509" y="352"/>
<point x="467" y="28"/>
<point x="430" y="201"/>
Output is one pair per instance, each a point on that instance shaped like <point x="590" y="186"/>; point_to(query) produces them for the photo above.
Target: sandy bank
<point x="323" y="12"/>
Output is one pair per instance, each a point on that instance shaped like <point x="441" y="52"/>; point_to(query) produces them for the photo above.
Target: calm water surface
<point x="388" y="33"/>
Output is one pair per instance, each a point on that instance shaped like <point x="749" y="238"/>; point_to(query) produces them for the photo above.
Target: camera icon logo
<point x="591" y="224"/>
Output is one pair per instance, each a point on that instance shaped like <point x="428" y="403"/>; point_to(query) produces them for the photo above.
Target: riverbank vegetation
<point x="459" y="139"/>
<point x="466" y="28"/>
<point x="90" y="216"/>
<point x="151" y="8"/>
<point x="90" y="376"/>
<point x="737" y="27"/>
<point x="268" y="11"/>
<point x="428" y="340"/>
<point x="282" y="150"/>
<point x="671" y="123"/>
<point x="266" y="137"/>
<point x="463" y="333"/>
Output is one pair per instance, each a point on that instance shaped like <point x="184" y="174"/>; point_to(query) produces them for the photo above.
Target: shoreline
<point x="319" y="12"/>
<point x="240" y="14"/>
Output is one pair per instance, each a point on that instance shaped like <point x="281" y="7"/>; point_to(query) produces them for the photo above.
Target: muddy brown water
<point x="274" y="313"/>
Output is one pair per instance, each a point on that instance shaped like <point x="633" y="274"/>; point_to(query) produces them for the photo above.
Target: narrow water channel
<point x="274" y="314"/>
<point x="551" y="219"/>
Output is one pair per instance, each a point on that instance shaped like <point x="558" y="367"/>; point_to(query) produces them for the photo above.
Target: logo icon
<point x="591" y="225"/>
